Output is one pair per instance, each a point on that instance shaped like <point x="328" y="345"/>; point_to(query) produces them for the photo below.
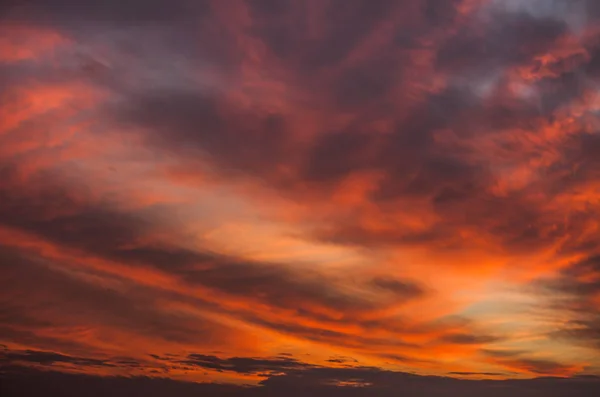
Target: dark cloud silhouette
<point x="49" y="358"/>
<point x="246" y="365"/>
<point x="477" y="373"/>
<point x="18" y="381"/>
<point x="342" y="360"/>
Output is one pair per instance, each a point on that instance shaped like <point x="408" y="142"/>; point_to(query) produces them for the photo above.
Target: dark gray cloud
<point x="106" y="12"/>
<point x="335" y="156"/>
<point x="156" y="42"/>
<point x="369" y="82"/>
<point x="440" y="13"/>
<point x="19" y="381"/>
<point x="246" y="365"/>
<point x="344" y="24"/>
<point x="478" y="373"/>
<point x="507" y="39"/>
<point x="203" y="123"/>
<point x="342" y="360"/>
<point x="49" y="358"/>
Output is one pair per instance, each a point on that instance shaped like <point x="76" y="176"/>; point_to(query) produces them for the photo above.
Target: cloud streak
<point x="188" y="189"/>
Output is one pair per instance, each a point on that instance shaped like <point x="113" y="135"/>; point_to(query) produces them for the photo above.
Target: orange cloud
<point x="370" y="181"/>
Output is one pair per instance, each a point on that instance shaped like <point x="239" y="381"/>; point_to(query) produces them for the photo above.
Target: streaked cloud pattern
<point x="301" y="192"/>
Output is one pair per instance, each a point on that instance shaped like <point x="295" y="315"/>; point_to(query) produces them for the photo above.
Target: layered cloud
<point x="315" y="381"/>
<point x="192" y="188"/>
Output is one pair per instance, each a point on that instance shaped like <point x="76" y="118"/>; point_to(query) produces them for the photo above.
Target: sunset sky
<point x="333" y="191"/>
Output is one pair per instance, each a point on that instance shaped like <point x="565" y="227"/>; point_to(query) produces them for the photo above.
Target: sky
<point x="259" y="196"/>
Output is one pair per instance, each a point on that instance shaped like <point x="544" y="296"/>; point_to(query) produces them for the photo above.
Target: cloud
<point x="345" y="24"/>
<point x="343" y="178"/>
<point x="477" y="373"/>
<point x="518" y="360"/>
<point x="246" y="365"/>
<point x="457" y="181"/>
<point x="204" y="124"/>
<point x="49" y="358"/>
<point x="71" y="221"/>
<point x="110" y="12"/>
<point x="509" y="38"/>
<point x="55" y="383"/>
<point x="316" y="381"/>
<point x="108" y="304"/>
<point x="398" y="287"/>
<point x="573" y="293"/>
<point x="342" y="360"/>
<point x="467" y="339"/>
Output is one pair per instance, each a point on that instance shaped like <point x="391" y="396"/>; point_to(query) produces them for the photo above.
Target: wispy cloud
<point x="402" y="186"/>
